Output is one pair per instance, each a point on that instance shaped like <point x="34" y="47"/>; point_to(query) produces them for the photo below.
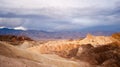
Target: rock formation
<point x="97" y="40"/>
<point x="14" y="40"/>
<point x="92" y="51"/>
<point x="101" y="55"/>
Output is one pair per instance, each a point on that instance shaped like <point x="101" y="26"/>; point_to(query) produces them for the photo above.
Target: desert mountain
<point x="63" y="46"/>
<point x="102" y="51"/>
<point x="92" y="51"/>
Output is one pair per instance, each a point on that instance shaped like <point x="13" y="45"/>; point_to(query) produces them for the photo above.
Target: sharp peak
<point x="89" y="35"/>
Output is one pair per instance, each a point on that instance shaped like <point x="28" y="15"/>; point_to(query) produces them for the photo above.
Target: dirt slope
<point x="19" y="62"/>
<point x="45" y="59"/>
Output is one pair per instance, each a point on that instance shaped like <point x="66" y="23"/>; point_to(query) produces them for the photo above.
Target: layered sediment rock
<point x="97" y="40"/>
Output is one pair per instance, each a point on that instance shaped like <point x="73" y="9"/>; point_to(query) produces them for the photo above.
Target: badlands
<point x="91" y="51"/>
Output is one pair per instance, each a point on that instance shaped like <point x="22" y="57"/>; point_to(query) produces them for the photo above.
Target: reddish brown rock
<point x="14" y="40"/>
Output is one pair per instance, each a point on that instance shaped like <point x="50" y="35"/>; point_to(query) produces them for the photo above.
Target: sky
<point x="58" y="15"/>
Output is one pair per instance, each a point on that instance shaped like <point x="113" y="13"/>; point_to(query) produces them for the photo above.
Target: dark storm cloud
<point x="55" y="15"/>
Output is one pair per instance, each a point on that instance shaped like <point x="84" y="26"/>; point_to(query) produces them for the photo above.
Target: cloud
<point x="20" y="28"/>
<point x="10" y="22"/>
<point x="56" y="8"/>
<point x="58" y="14"/>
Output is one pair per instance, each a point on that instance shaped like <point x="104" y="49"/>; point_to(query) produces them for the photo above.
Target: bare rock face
<point x="83" y="48"/>
<point x="74" y="48"/>
<point x="111" y="63"/>
<point x="75" y="51"/>
<point x="67" y="53"/>
<point x="14" y="40"/>
<point x="55" y="47"/>
<point x="101" y="55"/>
<point x="97" y="40"/>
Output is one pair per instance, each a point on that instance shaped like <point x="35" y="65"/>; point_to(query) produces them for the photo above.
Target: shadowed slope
<point x="116" y="36"/>
<point x="14" y="40"/>
<point x="101" y="55"/>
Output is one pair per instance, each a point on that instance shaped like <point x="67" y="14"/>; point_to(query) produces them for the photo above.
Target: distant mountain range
<point x="38" y="35"/>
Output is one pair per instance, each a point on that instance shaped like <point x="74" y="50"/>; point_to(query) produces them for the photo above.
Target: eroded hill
<point x="97" y="40"/>
<point x="15" y="40"/>
<point x="21" y="57"/>
<point x="92" y="51"/>
<point x="64" y="46"/>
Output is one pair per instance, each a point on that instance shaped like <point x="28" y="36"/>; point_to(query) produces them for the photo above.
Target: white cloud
<point x="85" y="21"/>
<point x="35" y="4"/>
<point x="2" y="27"/>
<point x="20" y="28"/>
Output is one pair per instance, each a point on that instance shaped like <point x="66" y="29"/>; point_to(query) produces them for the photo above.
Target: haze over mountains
<point x="42" y="35"/>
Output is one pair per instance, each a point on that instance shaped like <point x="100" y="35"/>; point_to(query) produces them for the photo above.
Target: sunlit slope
<point x="51" y="60"/>
<point x="67" y="45"/>
<point x="97" y="40"/>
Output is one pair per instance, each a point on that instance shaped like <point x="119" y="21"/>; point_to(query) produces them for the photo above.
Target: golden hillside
<point x="92" y="51"/>
<point x="97" y="40"/>
<point x="16" y="54"/>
